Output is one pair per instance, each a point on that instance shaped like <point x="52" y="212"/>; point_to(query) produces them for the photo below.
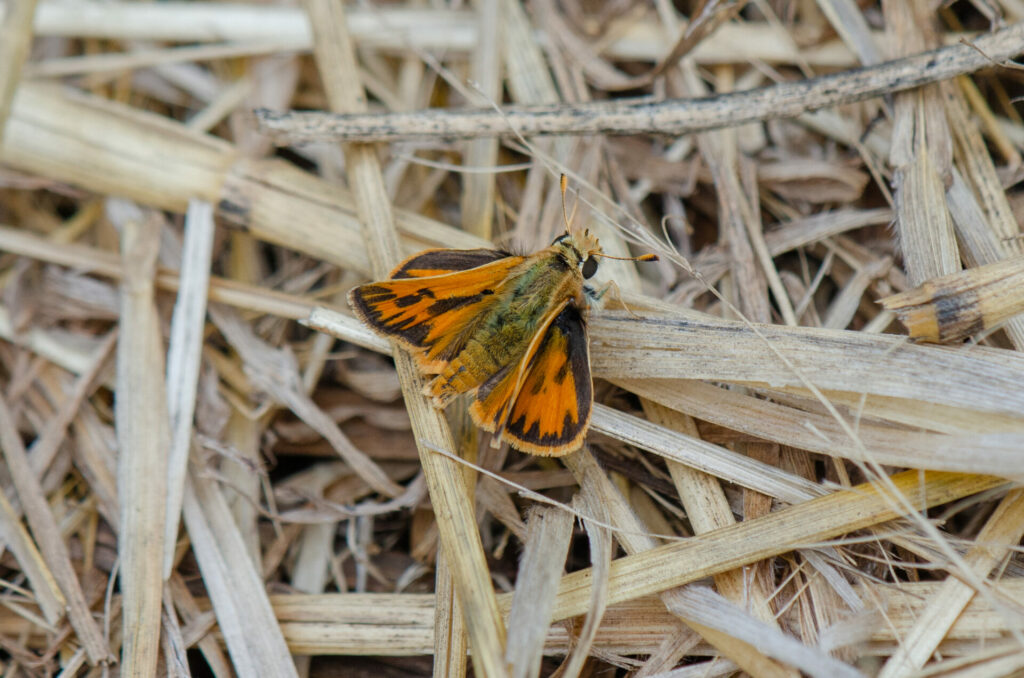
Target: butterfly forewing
<point x="432" y="315"/>
<point x="441" y="261"/>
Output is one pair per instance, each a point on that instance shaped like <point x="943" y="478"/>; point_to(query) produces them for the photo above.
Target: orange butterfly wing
<point x="551" y="400"/>
<point x="431" y="305"/>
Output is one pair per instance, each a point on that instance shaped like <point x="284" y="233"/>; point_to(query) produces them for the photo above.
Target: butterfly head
<point x="580" y="249"/>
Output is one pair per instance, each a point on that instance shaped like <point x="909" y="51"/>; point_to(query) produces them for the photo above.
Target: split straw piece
<point x="674" y="117"/>
<point x="956" y="306"/>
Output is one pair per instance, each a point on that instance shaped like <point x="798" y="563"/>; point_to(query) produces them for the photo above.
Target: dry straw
<point x="777" y="481"/>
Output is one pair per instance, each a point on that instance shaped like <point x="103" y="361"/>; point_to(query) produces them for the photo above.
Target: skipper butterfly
<point x="511" y="329"/>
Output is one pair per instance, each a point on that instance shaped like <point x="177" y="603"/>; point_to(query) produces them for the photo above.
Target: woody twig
<point x="675" y="116"/>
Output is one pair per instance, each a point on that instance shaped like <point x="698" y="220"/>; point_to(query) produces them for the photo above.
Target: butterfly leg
<point x="594" y="296"/>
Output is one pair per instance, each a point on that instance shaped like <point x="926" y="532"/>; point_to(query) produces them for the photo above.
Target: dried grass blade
<point x="189" y="610"/>
<point x="97" y="460"/>
<point x="845" y="306"/>
<point x="175" y="650"/>
<point x="398" y="27"/>
<point x="921" y="155"/>
<point x="529" y="78"/>
<point x="450" y="638"/>
<point x="147" y="58"/>
<point x="99" y="262"/>
<point x="927" y="416"/>
<point x="926" y="230"/>
<point x="980" y="243"/>
<point x="401" y="624"/>
<point x="707" y="608"/>
<point x="996" y="659"/>
<point x="849" y="22"/>
<point x="694" y="346"/>
<point x="545" y="546"/>
<point x="54" y="133"/>
<point x="953" y="307"/>
<point x="184" y="355"/>
<point x="979" y="170"/>
<point x="46" y="446"/>
<point x="698" y="454"/>
<point x="996" y="453"/>
<point x="600" y="541"/>
<point x="244" y="615"/>
<point x="486" y="70"/>
<point x="74" y="356"/>
<point x="143" y="439"/>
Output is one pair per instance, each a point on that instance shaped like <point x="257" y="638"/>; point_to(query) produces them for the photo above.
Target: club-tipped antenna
<point x="642" y="257"/>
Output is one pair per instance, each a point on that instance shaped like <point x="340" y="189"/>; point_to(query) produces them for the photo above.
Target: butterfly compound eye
<point x="589" y="267"/>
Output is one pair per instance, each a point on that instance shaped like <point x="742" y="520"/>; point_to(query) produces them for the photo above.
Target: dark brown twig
<point x="676" y="116"/>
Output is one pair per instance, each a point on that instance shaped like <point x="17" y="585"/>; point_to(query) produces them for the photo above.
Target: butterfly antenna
<point x="642" y="257"/>
<point x="563" y="183"/>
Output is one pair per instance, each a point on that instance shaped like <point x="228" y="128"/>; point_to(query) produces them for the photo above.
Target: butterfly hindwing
<point x="495" y="396"/>
<point x="432" y="316"/>
<point x="551" y="410"/>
